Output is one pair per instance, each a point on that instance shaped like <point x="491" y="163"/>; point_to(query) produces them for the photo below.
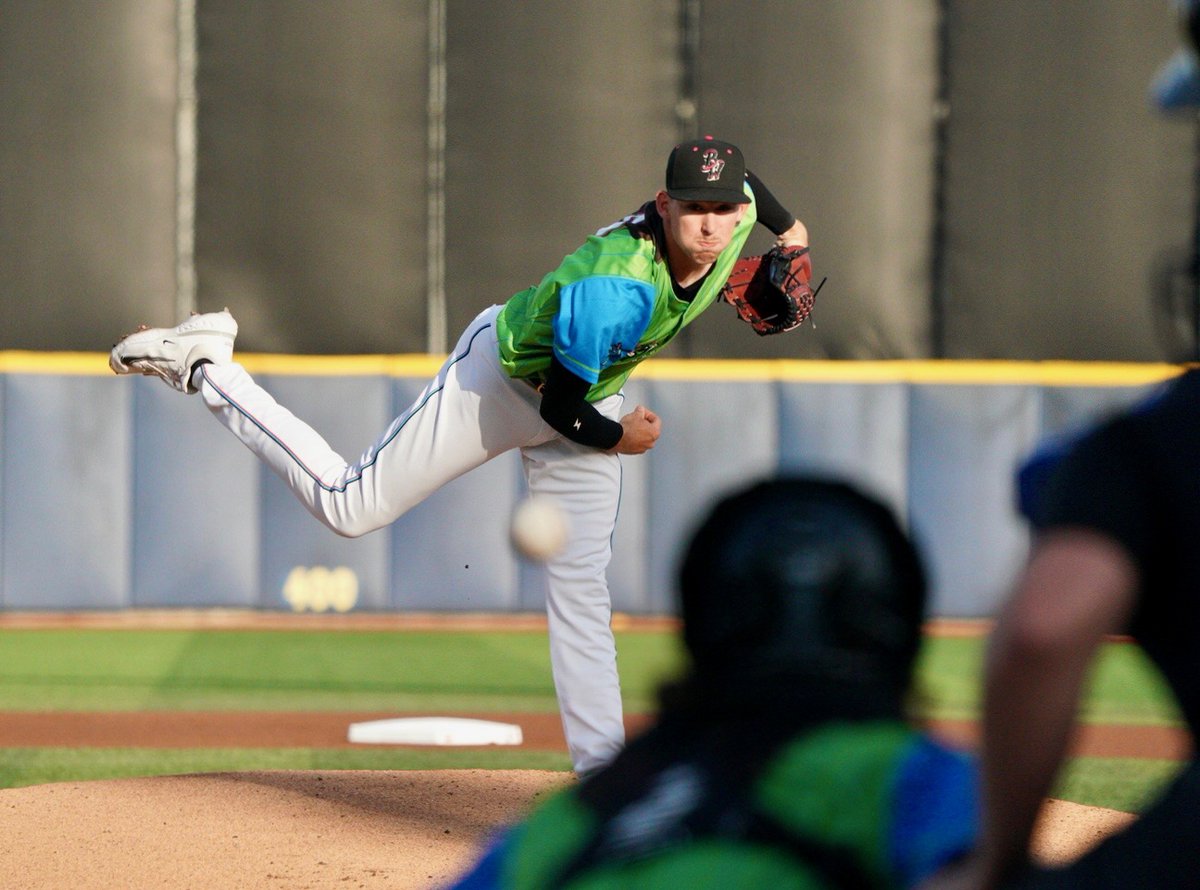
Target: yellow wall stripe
<point x="343" y="365"/>
<point x="914" y="371"/>
<point x="15" y="362"/>
<point x="1051" y="373"/>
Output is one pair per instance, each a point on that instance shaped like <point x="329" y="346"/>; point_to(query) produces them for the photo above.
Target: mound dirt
<point x="302" y="829"/>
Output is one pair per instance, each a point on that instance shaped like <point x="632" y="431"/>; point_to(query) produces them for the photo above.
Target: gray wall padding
<point x="350" y="412"/>
<point x="629" y="576"/>
<point x="451" y="551"/>
<point x="194" y="514"/>
<point x="965" y="442"/>
<point x="68" y="489"/>
<point x="1065" y="410"/>
<point x="114" y="496"/>
<point x="849" y="430"/>
<point x="4" y="464"/>
<point x="715" y="434"/>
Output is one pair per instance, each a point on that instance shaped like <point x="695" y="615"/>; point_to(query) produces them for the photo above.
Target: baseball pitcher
<point x="541" y="373"/>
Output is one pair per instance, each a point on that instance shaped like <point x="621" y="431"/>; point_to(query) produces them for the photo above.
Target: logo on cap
<point x="713" y="165"/>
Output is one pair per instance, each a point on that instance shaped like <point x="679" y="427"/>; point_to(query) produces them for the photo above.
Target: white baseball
<point x="539" y="528"/>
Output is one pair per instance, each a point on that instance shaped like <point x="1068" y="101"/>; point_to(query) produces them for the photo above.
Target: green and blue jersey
<point x="609" y="305"/>
<point x="893" y="803"/>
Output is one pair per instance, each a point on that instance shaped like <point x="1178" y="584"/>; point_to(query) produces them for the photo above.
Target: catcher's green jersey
<point x="608" y="305"/>
<point x="880" y="800"/>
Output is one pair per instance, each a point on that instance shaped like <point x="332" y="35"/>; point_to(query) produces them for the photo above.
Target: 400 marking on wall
<point x="321" y="589"/>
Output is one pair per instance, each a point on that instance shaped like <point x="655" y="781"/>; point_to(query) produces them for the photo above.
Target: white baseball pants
<point x="469" y="413"/>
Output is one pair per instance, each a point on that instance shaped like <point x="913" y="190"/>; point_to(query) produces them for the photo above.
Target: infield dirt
<point x="282" y="830"/>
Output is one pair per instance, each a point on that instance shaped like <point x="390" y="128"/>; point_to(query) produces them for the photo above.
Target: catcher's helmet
<point x="803" y="577"/>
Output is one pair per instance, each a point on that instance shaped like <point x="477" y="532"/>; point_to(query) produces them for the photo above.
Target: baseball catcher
<point x="802" y="602"/>
<point x="771" y="292"/>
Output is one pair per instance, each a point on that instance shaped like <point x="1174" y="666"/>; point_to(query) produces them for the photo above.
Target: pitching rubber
<point x="434" y="731"/>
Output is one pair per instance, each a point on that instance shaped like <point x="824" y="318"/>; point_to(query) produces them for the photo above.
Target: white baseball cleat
<point x="172" y="353"/>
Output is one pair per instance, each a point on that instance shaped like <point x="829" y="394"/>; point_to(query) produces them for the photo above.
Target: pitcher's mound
<point x="284" y="829"/>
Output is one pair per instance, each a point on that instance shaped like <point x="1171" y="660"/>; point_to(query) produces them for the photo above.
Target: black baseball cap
<point x="707" y="170"/>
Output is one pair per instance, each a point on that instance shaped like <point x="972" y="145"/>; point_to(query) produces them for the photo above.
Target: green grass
<point x="20" y="767"/>
<point x="948" y="672"/>
<point x="440" y="672"/>
<point x="306" y="670"/>
<point x="1115" y="783"/>
<point x="1124" y="688"/>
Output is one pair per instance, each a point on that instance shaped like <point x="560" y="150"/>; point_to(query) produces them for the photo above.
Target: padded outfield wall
<point x="118" y="493"/>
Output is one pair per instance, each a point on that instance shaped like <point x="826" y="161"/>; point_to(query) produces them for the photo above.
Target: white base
<point x="434" y="731"/>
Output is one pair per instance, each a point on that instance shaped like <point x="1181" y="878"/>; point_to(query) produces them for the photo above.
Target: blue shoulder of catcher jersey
<point x="600" y="319"/>
<point x="1034" y="474"/>
<point x="487" y="873"/>
<point x="936" y="810"/>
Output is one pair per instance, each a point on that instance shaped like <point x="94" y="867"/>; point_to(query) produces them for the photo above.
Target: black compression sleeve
<point x="770" y="212"/>
<point x="566" y="409"/>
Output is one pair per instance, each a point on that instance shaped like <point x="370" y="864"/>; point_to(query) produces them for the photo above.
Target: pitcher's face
<point x="699" y="229"/>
